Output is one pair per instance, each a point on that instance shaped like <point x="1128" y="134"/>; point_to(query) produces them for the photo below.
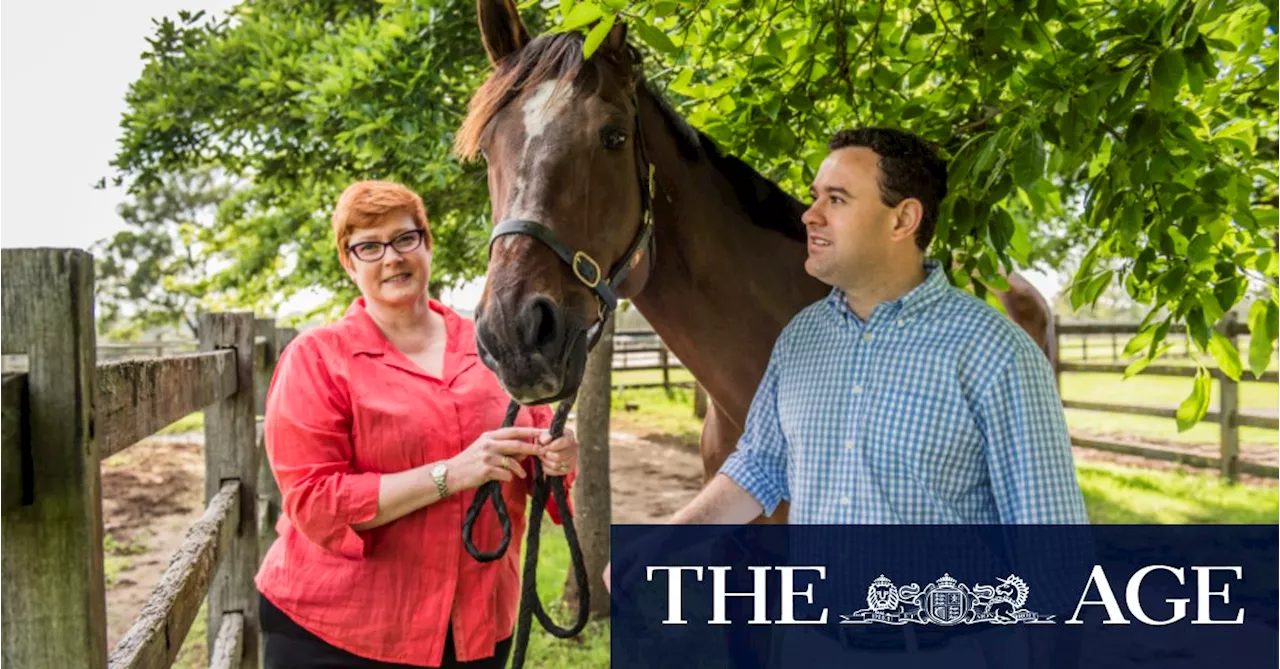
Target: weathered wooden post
<point x="54" y="600"/>
<point x="231" y="453"/>
<point x="1229" y="409"/>
<point x="664" y="359"/>
<point x="699" y="400"/>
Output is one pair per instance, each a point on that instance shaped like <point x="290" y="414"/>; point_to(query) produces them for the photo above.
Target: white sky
<point x="63" y="92"/>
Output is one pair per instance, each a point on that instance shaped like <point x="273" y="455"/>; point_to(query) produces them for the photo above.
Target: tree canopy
<point x="1136" y="138"/>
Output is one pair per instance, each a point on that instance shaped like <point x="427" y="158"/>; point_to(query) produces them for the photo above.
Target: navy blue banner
<point x="945" y="596"/>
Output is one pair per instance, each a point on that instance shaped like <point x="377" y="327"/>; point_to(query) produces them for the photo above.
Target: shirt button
<point x="900" y="322"/>
<point x="850" y="445"/>
<point x="866" y="337"/>
<point x="857" y="390"/>
<point x="846" y="501"/>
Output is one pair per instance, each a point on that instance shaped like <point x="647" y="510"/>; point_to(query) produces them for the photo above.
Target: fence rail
<point x="1229" y="417"/>
<point x="63" y="412"/>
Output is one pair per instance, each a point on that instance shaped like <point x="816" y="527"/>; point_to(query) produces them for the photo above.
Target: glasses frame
<point x="418" y="232"/>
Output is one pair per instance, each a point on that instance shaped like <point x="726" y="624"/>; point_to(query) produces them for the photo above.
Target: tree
<point x="592" y="493"/>
<point x="154" y="272"/>
<point x="1137" y="136"/>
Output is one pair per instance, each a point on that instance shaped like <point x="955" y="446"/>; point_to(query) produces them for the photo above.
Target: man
<point x="898" y="399"/>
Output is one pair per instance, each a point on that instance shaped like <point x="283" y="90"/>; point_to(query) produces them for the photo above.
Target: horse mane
<point x="558" y="57"/>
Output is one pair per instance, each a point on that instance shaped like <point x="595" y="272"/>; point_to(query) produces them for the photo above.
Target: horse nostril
<point x="541" y="323"/>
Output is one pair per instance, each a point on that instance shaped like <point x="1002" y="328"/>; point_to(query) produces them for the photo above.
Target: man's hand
<point x="608" y="586"/>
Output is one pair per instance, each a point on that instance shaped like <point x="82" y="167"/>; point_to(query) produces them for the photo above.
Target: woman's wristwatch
<point x="438" y="473"/>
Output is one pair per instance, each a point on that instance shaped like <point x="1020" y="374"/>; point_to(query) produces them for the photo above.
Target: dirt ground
<point x="154" y="490"/>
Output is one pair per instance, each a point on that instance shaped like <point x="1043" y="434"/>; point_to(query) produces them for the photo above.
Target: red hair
<point x="365" y="204"/>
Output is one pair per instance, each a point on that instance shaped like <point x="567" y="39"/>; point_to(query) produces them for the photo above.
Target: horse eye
<point x="613" y="137"/>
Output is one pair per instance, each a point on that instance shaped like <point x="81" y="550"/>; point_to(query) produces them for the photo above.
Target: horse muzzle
<point x="538" y="354"/>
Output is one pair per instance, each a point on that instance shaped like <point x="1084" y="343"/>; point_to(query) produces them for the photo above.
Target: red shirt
<point x="345" y="406"/>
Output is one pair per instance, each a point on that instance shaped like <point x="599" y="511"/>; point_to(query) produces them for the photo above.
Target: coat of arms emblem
<point x="946" y="601"/>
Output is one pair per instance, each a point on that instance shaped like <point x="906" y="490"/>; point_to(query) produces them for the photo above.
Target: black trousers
<point x="289" y="646"/>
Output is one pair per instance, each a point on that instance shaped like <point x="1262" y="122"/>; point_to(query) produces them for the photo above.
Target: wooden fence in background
<point x="1229" y="417"/>
<point x="63" y="413"/>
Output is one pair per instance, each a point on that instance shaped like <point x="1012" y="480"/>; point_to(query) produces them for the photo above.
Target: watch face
<point x="438" y="470"/>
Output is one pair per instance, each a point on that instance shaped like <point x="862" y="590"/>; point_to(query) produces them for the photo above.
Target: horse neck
<point x="722" y="287"/>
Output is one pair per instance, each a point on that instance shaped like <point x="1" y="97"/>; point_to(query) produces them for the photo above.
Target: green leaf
<point x="1028" y="163"/>
<point x="596" y="37"/>
<point x="1166" y="78"/>
<point x="1197" y="327"/>
<point x="582" y="14"/>
<point x="656" y="38"/>
<point x="1137" y="366"/>
<point x="1262" y="316"/>
<point x="1225" y="354"/>
<point x="1194" y="407"/>
<point x="566" y="7"/>
<point x="1139" y="341"/>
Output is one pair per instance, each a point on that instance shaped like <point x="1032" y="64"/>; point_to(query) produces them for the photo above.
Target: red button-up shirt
<point x="346" y="407"/>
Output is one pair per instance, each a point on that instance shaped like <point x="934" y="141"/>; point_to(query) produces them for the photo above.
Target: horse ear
<point x="616" y="42"/>
<point x="501" y="29"/>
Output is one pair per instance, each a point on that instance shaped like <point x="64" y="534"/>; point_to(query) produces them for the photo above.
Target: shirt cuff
<point x="360" y="498"/>
<point x="758" y="480"/>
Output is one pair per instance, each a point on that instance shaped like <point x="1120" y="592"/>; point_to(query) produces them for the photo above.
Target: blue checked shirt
<point x="936" y="410"/>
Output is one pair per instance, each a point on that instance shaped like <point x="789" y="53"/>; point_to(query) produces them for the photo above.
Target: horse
<point x="567" y="143"/>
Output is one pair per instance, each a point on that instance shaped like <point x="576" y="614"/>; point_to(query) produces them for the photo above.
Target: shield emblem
<point x="946" y="606"/>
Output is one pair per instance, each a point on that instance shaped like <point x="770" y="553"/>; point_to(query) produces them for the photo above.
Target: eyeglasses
<point x="372" y="251"/>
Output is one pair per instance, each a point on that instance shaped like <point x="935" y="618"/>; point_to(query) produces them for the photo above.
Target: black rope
<point x="544" y="487"/>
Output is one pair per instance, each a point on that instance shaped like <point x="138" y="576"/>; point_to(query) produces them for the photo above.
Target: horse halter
<point x="583" y="265"/>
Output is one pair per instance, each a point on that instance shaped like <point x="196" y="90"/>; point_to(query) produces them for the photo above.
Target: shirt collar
<point x="367" y="338"/>
<point x="914" y="302"/>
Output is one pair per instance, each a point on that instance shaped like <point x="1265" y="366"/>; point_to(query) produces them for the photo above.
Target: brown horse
<point x="566" y="141"/>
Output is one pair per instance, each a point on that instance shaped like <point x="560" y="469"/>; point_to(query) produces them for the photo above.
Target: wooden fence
<point x="63" y="412"/>
<point x="1229" y="417"/>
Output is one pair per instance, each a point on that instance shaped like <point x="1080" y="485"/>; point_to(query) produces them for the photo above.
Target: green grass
<point x="657" y="411"/>
<point x="192" y="422"/>
<point x="589" y="649"/>
<point x="1127" y="495"/>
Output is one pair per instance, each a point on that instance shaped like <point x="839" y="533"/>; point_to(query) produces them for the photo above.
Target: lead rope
<point x="543" y="487"/>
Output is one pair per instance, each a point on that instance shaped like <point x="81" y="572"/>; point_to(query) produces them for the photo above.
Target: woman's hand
<point x="558" y="457"/>
<point x="494" y="456"/>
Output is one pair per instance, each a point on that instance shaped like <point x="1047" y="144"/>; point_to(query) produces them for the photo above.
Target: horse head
<point x="568" y="186"/>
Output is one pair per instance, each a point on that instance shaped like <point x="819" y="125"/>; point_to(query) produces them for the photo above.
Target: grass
<point x="1126" y="495"/>
<point x="192" y="422"/>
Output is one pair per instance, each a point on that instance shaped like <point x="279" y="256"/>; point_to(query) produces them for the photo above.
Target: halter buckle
<point x="581" y="258"/>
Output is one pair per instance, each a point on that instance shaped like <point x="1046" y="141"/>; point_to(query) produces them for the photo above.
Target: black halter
<point x="583" y="265"/>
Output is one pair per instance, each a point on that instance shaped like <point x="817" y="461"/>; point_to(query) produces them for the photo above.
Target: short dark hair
<point x="909" y="167"/>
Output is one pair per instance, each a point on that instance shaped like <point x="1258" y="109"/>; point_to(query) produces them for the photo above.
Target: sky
<point x="62" y="97"/>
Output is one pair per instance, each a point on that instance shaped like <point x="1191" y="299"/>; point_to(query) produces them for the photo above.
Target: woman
<point x="379" y="428"/>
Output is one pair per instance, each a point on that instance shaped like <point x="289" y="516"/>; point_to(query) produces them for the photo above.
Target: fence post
<point x="699" y="400"/>
<point x="1228" y="410"/>
<point x="664" y="359"/>
<point x="230" y="453"/>
<point x="54" y="604"/>
<point x="1057" y="353"/>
